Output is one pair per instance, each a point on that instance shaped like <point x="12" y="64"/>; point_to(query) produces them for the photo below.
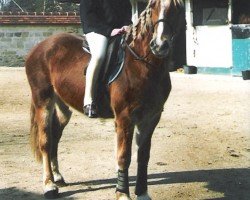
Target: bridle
<point x="137" y="57"/>
<point x="172" y="30"/>
<point x="152" y="28"/>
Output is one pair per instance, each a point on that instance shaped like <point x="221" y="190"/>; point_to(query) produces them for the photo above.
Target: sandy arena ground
<point x="200" y="149"/>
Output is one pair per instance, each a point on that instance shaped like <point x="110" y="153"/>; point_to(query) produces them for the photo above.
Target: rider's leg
<point x="98" y="45"/>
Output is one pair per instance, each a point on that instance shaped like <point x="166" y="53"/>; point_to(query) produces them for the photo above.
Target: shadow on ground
<point x="12" y="192"/>
<point x="233" y="183"/>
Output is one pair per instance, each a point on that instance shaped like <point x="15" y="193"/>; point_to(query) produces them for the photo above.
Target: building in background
<point x="216" y="38"/>
<point x="218" y="35"/>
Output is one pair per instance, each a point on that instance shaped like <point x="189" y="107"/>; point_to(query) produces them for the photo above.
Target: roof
<point x="26" y="18"/>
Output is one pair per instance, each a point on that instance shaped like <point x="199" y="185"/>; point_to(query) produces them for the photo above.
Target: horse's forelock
<point x="176" y="3"/>
<point x="179" y="2"/>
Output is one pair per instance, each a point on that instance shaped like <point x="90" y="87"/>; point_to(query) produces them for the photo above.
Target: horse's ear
<point x="152" y="3"/>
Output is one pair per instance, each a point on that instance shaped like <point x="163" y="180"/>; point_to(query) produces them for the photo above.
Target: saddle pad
<point x="118" y="64"/>
<point x="114" y="60"/>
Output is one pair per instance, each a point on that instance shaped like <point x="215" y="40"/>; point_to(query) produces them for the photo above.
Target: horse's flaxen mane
<point x="144" y="22"/>
<point x="178" y="2"/>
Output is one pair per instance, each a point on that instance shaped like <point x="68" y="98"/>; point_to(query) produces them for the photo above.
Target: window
<point x="210" y="12"/>
<point x="241" y="12"/>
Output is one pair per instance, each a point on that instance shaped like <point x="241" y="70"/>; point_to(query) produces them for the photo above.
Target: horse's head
<point x="167" y="18"/>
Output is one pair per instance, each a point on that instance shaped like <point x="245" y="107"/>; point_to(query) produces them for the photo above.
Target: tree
<point x="37" y="6"/>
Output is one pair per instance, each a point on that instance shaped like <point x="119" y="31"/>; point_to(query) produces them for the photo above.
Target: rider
<point x="101" y="19"/>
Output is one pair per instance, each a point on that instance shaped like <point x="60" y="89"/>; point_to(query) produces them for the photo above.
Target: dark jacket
<point x="102" y="16"/>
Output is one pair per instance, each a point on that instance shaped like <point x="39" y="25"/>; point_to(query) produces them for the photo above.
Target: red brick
<point x="9" y="18"/>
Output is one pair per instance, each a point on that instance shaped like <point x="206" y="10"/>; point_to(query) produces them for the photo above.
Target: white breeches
<point x="98" y="46"/>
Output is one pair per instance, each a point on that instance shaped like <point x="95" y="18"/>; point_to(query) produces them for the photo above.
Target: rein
<point x="137" y="57"/>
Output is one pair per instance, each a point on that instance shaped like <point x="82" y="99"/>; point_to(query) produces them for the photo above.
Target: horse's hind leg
<point x="44" y="100"/>
<point x="61" y="117"/>
<point x="144" y="134"/>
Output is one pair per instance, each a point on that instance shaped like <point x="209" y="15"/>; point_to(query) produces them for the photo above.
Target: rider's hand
<point x="118" y="31"/>
<point x="125" y="28"/>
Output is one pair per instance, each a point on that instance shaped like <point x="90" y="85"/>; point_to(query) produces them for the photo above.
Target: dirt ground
<point x="200" y="149"/>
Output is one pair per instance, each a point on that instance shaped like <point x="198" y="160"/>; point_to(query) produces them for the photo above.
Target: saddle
<point x="113" y="64"/>
<point x="110" y="70"/>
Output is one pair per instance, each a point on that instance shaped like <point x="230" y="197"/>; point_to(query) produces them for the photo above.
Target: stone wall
<point x="17" y="40"/>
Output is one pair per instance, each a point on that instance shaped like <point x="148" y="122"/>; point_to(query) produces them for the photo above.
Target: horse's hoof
<point x="61" y="183"/>
<point x="51" y="194"/>
<point x="145" y="196"/>
<point x="51" y="190"/>
<point x="58" y="179"/>
<point x="122" y="196"/>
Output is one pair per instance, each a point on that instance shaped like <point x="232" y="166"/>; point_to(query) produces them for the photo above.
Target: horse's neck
<point x="145" y="61"/>
<point x="139" y="40"/>
<point x="142" y="46"/>
<point x="141" y="34"/>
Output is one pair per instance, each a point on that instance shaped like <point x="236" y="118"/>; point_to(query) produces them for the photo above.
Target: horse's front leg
<point x="124" y="130"/>
<point x="143" y="140"/>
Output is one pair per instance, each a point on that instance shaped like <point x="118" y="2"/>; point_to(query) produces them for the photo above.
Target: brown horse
<point x="55" y="70"/>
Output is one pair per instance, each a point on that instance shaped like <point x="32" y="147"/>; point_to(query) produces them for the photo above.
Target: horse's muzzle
<point x="161" y="50"/>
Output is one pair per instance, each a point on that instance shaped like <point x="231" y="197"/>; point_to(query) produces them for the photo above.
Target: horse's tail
<point x="34" y="139"/>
